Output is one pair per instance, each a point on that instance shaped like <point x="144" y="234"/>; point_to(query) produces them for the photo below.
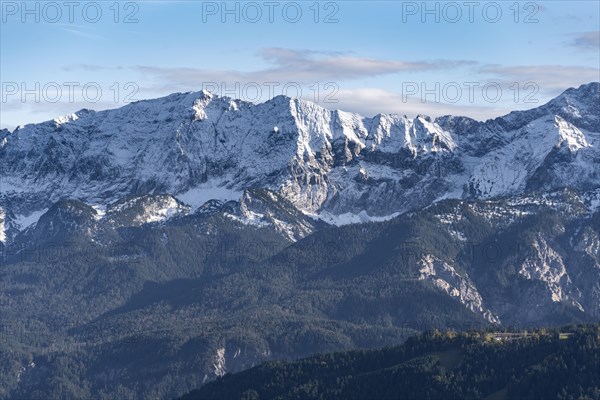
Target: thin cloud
<point x="301" y="66"/>
<point x="551" y="79"/>
<point x="90" y="67"/>
<point x="82" y="34"/>
<point x="569" y="17"/>
<point x="587" y="40"/>
<point x="341" y="65"/>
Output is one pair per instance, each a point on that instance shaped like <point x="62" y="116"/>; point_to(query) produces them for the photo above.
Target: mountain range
<point x="151" y="248"/>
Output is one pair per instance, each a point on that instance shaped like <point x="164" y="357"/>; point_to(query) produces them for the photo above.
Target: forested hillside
<point x="543" y="364"/>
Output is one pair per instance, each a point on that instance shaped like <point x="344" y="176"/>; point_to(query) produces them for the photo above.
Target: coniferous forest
<point x="541" y="364"/>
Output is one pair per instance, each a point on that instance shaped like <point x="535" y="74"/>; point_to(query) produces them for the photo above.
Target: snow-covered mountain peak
<point x="572" y="137"/>
<point x="579" y="106"/>
<point x="66" y="118"/>
<point x="580" y="98"/>
<point x="196" y="143"/>
<point x="429" y="136"/>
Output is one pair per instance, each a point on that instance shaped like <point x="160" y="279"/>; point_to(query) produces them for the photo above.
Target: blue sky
<point x="432" y="58"/>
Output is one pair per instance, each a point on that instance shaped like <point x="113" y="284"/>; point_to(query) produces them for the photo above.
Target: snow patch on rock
<point x="219" y="363"/>
<point x="350" y="218"/>
<point x="2" y="228"/>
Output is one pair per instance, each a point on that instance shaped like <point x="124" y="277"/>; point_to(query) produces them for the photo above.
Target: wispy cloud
<point x="82" y="34"/>
<point x="587" y="40"/>
<point x="301" y="66"/>
<point x="78" y="30"/>
<point x="91" y="68"/>
<point x="551" y="79"/>
<point x="319" y="65"/>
